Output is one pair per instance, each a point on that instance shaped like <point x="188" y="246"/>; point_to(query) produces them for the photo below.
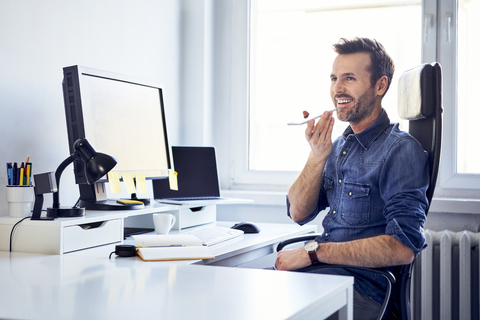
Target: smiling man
<point x="373" y="179"/>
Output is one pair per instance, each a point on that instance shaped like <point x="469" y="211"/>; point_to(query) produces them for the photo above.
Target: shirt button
<point x="340" y="181"/>
<point x="326" y="234"/>
<point x="334" y="212"/>
<point x="344" y="152"/>
<point x="349" y="193"/>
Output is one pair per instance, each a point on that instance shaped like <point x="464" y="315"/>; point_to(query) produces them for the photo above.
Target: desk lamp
<point x="96" y="166"/>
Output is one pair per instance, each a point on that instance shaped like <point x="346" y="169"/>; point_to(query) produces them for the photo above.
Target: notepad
<point x="171" y="248"/>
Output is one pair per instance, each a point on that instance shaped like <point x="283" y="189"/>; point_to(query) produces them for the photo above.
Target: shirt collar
<point x="367" y="136"/>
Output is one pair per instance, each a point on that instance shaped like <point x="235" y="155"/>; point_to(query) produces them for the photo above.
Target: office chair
<point x="419" y="102"/>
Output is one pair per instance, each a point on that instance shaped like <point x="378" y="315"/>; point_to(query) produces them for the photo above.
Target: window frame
<point x="438" y="48"/>
<point x="240" y="177"/>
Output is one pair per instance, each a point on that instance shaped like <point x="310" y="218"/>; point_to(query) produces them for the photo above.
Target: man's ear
<point x="381" y="86"/>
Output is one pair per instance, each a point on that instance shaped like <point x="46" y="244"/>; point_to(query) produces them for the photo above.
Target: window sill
<point x="455" y="205"/>
<point x="273" y="198"/>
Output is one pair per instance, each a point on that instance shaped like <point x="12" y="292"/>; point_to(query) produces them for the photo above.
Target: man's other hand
<point x="292" y="259"/>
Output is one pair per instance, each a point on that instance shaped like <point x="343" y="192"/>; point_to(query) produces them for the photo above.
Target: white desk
<point x="232" y="253"/>
<point x="34" y="286"/>
<point x="85" y="284"/>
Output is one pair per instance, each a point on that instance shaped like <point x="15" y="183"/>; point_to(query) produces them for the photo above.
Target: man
<point x="373" y="178"/>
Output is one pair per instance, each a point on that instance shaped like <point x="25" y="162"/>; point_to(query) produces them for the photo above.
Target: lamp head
<point x="96" y="164"/>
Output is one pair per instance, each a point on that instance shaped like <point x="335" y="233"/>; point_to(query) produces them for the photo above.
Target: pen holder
<point x="20" y="199"/>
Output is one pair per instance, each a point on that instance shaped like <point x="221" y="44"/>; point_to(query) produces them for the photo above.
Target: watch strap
<point x="313" y="255"/>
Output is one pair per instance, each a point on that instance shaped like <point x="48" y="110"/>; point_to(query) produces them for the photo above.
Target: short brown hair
<point x="381" y="63"/>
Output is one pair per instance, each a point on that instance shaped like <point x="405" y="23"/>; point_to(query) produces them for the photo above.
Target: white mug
<point x="163" y="222"/>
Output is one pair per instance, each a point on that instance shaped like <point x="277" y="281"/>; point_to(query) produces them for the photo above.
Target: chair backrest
<point x="420" y="102"/>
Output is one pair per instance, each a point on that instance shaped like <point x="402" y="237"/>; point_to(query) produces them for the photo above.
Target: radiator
<point x="445" y="280"/>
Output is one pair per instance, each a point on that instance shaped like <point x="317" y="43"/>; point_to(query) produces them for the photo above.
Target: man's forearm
<point x="379" y="251"/>
<point x="303" y="193"/>
<point x="375" y="252"/>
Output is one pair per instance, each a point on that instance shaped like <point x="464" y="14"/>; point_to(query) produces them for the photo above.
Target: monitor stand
<point x="94" y="197"/>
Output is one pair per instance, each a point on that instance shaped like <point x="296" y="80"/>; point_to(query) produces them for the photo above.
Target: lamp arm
<point x="58" y="174"/>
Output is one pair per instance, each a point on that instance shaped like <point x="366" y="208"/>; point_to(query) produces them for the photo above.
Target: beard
<point x="362" y="108"/>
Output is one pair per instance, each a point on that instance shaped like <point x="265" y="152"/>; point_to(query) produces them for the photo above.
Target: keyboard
<point x="191" y="199"/>
<point x="215" y="234"/>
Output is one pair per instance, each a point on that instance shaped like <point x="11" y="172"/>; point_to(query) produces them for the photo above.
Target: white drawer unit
<point x="190" y="217"/>
<point x="96" y="228"/>
<point x="89" y="235"/>
<point x="60" y="236"/>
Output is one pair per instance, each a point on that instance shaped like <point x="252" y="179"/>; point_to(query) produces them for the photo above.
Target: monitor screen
<point x="119" y="115"/>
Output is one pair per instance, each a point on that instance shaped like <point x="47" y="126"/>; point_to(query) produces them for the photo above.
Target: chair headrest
<point x="416" y="93"/>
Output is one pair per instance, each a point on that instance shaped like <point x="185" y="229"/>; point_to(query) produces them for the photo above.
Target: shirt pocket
<point x="356" y="203"/>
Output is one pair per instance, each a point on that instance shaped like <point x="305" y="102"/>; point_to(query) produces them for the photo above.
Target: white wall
<point x="38" y="38"/>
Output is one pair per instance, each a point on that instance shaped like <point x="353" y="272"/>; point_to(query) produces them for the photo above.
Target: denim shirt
<point x="374" y="183"/>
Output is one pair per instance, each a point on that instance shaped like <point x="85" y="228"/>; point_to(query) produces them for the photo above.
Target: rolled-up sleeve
<point x="404" y="193"/>
<point x="309" y="218"/>
<point x="321" y="205"/>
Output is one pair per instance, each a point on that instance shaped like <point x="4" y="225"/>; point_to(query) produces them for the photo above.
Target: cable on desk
<point x="11" y="232"/>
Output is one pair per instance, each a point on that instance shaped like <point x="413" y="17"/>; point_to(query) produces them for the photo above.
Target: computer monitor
<point x="121" y="116"/>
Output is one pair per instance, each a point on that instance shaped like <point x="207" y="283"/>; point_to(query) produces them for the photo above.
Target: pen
<point x="14" y="183"/>
<point x="169" y="246"/>
<point x="9" y="173"/>
<point x="20" y="181"/>
<point x="22" y="174"/>
<point x="29" y="172"/>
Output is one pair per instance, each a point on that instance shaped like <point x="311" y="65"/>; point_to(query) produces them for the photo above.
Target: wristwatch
<point x="311" y="248"/>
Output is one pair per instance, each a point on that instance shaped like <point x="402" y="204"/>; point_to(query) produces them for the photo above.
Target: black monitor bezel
<point x="72" y="94"/>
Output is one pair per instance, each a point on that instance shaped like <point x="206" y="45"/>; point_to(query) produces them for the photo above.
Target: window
<point x="451" y="26"/>
<point x="282" y="68"/>
<point x="291" y="59"/>
<point x="468" y="156"/>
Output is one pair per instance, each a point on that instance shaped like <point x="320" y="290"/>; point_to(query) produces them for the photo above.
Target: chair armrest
<point x="382" y="271"/>
<point x="306" y="237"/>
<point x="387" y="274"/>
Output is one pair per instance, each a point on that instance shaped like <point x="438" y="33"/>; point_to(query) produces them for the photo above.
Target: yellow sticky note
<point x="140" y="183"/>
<point x="114" y="182"/>
<point x="126" y="201"/>
<point x="172" y="179"/>
<point x="128" y="180"/>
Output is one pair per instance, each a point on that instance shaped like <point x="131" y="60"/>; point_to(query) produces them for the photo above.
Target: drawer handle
<point x="94" y="225"/>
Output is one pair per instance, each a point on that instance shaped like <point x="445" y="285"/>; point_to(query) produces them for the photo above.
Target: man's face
<point x="350" y="88"/>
